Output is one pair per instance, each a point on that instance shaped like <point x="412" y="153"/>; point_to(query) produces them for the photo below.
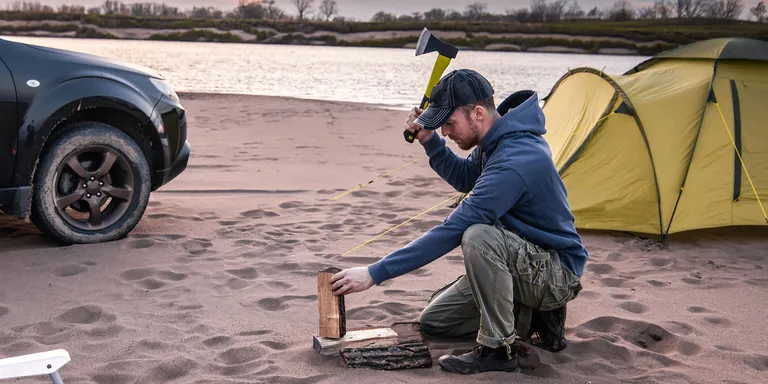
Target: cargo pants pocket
<point x="530" y="268"/>
<point x="562" y="285"/>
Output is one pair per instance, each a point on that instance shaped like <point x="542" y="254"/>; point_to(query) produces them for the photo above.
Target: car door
<point x="9" y="125"/>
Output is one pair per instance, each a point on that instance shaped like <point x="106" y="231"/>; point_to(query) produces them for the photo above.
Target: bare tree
<point x="724" y="9"/>
<point x="538" y="10"/>
<point x="664" y="8"/>
<point x="76" y="9"/>
<point x="475" y="11"/>
<point x="302" y="6"/>
<point x="691" y="8"/>
<point x="622" y="10"/>
<point x="329" y="8"/>
<point x="434" y="14"/>
<point x="556" y="10"/>
<point x="758" y="11"/>
<point x="574" y="11"/>
<point x="595" y="13"/>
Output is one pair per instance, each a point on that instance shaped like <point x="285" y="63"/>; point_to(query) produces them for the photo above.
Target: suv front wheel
<point x="92" y="185"/>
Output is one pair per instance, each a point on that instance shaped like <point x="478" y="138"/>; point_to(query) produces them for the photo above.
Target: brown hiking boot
<point x="482" y="359"/>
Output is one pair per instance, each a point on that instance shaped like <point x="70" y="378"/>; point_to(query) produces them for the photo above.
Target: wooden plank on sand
<point x="402" y="356"/>
<point x="333" y="321"/>
<point x="377" y="337"/>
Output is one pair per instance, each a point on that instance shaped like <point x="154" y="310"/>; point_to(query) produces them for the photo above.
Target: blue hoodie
<point x="518" y="187"/>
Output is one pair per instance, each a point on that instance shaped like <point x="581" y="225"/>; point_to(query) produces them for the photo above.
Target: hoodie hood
<point x="520" y="114"/>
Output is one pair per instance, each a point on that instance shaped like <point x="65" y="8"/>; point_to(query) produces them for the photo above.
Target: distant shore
<point x="510" y="42"/>
<point x="647" y="37"/>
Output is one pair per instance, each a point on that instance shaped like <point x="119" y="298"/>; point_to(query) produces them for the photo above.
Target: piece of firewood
<point x="376" y="337"/>
<point x="402" y="356"/>
<point x="333" y="321"/>
<point x="408" y="332"/>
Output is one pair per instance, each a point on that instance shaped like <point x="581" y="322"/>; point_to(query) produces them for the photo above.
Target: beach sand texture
<point x="217" y="284"/>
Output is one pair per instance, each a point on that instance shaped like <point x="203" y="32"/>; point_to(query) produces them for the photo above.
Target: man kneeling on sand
<point x="523" y="257"/>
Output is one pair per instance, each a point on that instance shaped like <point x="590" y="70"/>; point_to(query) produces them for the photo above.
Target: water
<point x="390" y="77"/>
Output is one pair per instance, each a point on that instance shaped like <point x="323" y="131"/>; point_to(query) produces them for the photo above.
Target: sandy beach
<point x="217" y="283"/>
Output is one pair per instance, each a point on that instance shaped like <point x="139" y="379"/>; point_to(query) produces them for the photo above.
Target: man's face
<point x="462" y="129"/>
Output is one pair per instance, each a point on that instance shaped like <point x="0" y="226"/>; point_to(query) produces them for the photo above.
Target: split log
<point x="333" y="320"/>
<point x="404" y="356"/>
<point x="376" y="337"/>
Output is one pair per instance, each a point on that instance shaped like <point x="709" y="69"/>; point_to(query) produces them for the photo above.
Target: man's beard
<point x="472" y="140"/>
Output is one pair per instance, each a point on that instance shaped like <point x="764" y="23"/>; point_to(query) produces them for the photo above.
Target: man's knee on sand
<point x="478" y="236"/>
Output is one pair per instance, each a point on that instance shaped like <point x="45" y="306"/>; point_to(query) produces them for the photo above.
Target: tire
<point x="119" y="192"/>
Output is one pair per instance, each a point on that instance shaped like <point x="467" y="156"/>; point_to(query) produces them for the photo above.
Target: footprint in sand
<point x="600" y="269"/>
<point x="69" y="270"/>
<point x="328" y="191"/>
<point x="657" y="283"/>
<point x="197" y="246"/>
<point x="359" y="259"/>
<point x="718" y="321"/>
<point x="240" y="360"/>
<point x="697" y="309"/>
<point x="208" y="216"/>
<point x="644" y="335"/>
<point x="151" y="278"/>
<point x="634" y="307"/>
<point x="249" y="273"/>
<point x="278" y="285"/>
<point x="218" y="342"/>
<point x="4" y="310"/>
<point x="276" y="304"/>
<point x="169" y="370"/>
<point x="613" y="282"/>
<point x="141" y="243"/>
<point x="616" y="257"/>
<point x="661" y="262"/>
<point x="274" y="345"/>
<point x="757" y="282"/>
<point x="757" y="362"/>
<point x="87" y="263"/>
<point x="258" y="214"/>
<point x="86" y="314"/>
<point x="291" y="204"/>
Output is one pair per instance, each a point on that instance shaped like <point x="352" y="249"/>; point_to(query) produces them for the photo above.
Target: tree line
<point x="328" y="10"/>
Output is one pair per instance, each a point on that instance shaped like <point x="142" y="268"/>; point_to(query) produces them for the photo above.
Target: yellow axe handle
<point x="441" y="64"/>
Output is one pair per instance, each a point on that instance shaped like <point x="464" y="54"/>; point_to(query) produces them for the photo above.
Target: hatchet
<point x="430" y="43"/>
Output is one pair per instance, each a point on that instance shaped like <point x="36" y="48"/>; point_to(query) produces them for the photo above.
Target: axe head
<point x="430" y="43"/>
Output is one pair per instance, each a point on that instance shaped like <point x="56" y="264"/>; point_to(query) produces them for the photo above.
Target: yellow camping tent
<point x="679" y="142"/>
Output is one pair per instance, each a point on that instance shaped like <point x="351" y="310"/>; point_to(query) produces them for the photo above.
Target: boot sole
<point x="470" y="370"/>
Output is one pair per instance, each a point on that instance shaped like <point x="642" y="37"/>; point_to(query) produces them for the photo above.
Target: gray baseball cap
<point x="460" y="87"/>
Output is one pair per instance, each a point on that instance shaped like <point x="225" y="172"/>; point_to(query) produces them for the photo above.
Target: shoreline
<point x="341" y="103"/>
<point x="539" y="42"/>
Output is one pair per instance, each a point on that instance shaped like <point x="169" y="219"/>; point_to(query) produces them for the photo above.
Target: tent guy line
<point x="741" y="160"/>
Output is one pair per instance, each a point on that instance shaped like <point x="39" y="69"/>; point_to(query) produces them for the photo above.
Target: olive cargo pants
<point x="501" y="269"/>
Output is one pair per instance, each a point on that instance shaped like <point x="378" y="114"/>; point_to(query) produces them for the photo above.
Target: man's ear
<point x="479" y="112"/>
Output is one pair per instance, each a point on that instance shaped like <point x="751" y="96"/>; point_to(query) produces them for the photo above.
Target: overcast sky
<point x="364" y="9"/>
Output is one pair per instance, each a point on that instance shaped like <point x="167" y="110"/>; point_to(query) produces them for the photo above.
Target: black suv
<point x="84" y="140"/>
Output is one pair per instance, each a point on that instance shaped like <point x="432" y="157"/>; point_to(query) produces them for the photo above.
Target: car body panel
<point x="9" y="125"/>
<point x="69" y="97"/>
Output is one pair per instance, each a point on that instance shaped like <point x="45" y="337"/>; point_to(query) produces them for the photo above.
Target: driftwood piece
<point x="403" y="356"/>
<point x="333" y="320"/>
<point x="376" y="337"/>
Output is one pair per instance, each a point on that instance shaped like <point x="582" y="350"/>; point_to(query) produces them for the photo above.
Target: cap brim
<point x="434" y="118"/>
